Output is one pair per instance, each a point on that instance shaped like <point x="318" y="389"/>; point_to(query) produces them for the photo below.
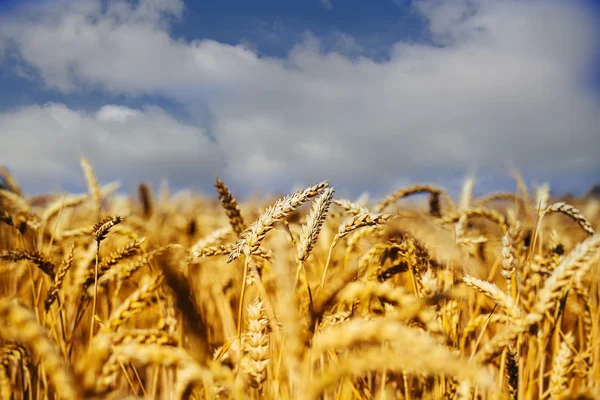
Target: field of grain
<point x="309" y="296"/>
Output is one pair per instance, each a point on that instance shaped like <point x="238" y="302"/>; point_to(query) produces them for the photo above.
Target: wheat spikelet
<point x="13" y="202"/>
<point x="433" y="190"/>
<point x="210" y="240"/>
<point x="500" y="196"/>
<point x="256" y="346"/>
<point x="250" y="239"/>
<point x="134" y="304"/>
<point x="6" y="218"/>
<point x="466" y="195"/>
<point x="122" y="272"/>
<point x="493" y="292"/>
<point x="356" y="222"/>
<point x="14" y="358"/>
<point x="363" y="220"/>
<point x="21" y="326"/>
<point x="13" y="353"/>
<point x="61" y="204"/>
<point x="587" y="322"/>
<point x="70" y="201"/>
<point x="58" y="278"/>
<point x="5" y="384"/>
<point x="572" y="213"/>
<point x="144" y="336"/>
<point x="509" y="261"/>
<point x="512" y="373"/>
<point x="399" y="315"/>
<point x="314" y="222"/>
<point x="38" y="259"/>
<point x="10" y="182"/>
<point x="93" y="187"/>
<point x="521" y="188"/>
<point x="409" y="305"/>
<point x="231" y="207"/>
<point x="410" y="350"/>
<point x="194" y="322"/>
<point x="145" y="196"/>
<point x="225" y="249"/>
<point x="560" y="367"/>
<point x="480" y="320"/>
<point x="144" y="355"/>
<point x="577" y="262"/>
<point x="101" y="229"/>
<point x="351" y="207"/>
<point x="488" y="214"/>
<point x="113" y="259"/>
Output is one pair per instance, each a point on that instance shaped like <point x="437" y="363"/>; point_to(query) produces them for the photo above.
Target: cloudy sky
<point x="270" y="94"/>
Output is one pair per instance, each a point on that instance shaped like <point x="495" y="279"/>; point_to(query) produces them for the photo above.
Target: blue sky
<point x="269" y="95"/>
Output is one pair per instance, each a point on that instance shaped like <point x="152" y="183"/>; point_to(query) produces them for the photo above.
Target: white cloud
<point x="42" y="146"/>
<point x="327" y="4"/>
<point x="116" y="113"/>
<point x="501" y="84"/>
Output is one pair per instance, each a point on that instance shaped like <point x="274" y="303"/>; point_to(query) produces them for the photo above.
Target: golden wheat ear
<point x="9" y="182"/>
<point x="231" y="207"/>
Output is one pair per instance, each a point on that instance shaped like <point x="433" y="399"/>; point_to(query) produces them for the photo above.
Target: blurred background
<point x="271" y="95"/>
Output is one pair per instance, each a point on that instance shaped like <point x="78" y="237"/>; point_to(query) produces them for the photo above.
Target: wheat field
<point x="308" y="296"/>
